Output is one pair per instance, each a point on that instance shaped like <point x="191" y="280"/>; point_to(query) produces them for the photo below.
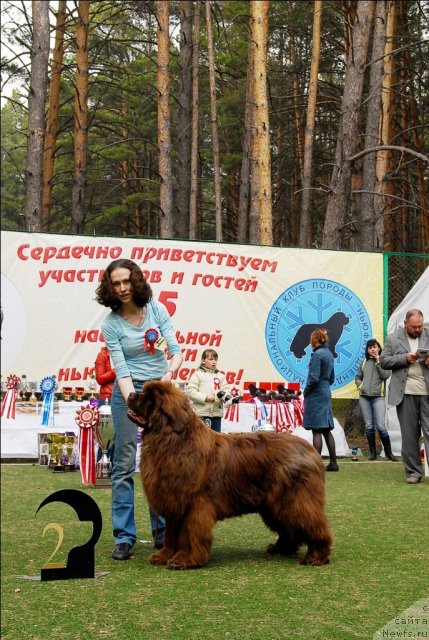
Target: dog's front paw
<point x="160" y="557"/>
<point x="315" y="559"/>
<point x="182" y="560"/>
<point x="285" y="547"/>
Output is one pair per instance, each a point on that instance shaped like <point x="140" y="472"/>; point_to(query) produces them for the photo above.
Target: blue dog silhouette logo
<point x="305" y="306"/>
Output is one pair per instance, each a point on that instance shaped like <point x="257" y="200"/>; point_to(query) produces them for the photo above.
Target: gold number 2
<point x="60" y="531"/>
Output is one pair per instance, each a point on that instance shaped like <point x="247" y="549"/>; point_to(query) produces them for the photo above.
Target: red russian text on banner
<point x="87" y="418"/>
<point x="8" y="405"/>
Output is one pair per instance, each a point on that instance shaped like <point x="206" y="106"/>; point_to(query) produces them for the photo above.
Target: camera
<point x="225" y="397"/>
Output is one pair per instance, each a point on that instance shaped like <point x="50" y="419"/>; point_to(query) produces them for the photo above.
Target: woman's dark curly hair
<point x="141" y="290"/>
<point x="371" y="343"/>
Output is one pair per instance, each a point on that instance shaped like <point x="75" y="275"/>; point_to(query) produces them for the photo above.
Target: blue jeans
<point x="123" y="468"/>
<point x="373" y="410"/>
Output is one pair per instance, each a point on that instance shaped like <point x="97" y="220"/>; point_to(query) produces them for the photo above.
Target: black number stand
<point x="81" y="559"/>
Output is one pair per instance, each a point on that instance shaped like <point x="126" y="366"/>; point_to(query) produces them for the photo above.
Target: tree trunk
<point x="254" y="232"/>
<point x="125" y="166"/>
<point x="366" y="237"/>
<point x="423" y="231"/>
<point x="382" y="202"/>
<point x="215" y="135"/>
<point x="36" y="115"/>
<point x="184" y="122"/>
<point x="243" y="200"/>
<point x="259" y="13"/>
<point x="304" y="237"/>
<point x="53" y="110"/>
<point x="164" y="122"/>
<point x="297" y="104"/>
<point x="195" y="124"/>
<point x="337" y="226"/>
<point x="80" y="119"/>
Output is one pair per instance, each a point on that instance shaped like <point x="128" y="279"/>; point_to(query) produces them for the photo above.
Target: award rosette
<point x="261" y="414"/>
<point x="216" y="382"/>
<point x="232" y="413"/>
<point x="284" y="416"/>
<point x="298" y="407"/>
<point x="150" y="338"/>
<point x="8" y="405"/>
<point x="86" y="419"/>
<point x="47" y="387"/>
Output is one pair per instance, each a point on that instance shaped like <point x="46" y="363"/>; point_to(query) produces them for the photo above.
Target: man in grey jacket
<point x="409" y="388"/>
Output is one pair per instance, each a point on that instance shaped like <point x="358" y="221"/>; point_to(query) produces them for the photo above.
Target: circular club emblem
<point x="304" y="307"/>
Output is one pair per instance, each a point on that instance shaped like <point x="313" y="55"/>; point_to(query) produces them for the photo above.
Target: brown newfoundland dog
<point x="194" y="476"/>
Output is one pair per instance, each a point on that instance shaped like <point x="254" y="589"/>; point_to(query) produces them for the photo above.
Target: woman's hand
<point x="168" y="376"/>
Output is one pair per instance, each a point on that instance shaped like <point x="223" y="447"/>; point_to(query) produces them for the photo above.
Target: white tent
<point x="416" y="298"/>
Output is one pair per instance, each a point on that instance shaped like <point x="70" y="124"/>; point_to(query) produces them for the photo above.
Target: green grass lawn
<point x="379" y="568"/>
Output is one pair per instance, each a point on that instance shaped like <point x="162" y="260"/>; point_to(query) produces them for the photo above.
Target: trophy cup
<point x="67" y="393"/>
<point x="92" y="386"/>
<point x="69" y="440"/>
<point x="79" y="391"/>
<point x="56" y="463"/>
<point x="22" y="387"/>
<point x="104" y="434"/>
<point x="33" y="386"/>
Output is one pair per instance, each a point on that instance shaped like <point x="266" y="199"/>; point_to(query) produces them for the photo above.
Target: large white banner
<point x="255" y="305"/>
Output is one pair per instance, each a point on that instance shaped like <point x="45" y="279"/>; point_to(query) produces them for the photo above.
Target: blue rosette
<point x="150" y="337"/>
<point x="47" y="387"/>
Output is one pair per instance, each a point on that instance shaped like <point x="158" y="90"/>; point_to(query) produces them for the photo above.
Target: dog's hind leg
<point x="318" y="537"/>
<point x="195" y="537"/>
<point x="303" y="519"/>
<point x="171" y="534"/>
<point x="309" y="519"/>
<point x="287" y="543"/>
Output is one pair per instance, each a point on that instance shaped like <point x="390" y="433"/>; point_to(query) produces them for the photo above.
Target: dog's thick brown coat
<point x="194" y="476"/>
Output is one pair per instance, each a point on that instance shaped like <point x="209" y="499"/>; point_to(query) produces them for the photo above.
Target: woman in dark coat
<point x="318" y="416"/>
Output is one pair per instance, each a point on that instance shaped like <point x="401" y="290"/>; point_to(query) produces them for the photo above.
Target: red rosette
<point x="8" y="406"/>
<point x="216" y="382"/>
<point x="12" y="382"/>
<point x="150" y="337"/>
<point x="87" y="417"/>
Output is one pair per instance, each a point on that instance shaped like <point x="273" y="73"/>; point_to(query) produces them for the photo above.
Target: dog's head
<point x="160" y="406"/>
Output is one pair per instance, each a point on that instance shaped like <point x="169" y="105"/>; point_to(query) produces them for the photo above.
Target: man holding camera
<point x="406" y="353"/>
<point x="208" y="391"/>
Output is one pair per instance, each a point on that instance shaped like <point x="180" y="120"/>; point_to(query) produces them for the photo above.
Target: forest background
<point x="293" y="123"/>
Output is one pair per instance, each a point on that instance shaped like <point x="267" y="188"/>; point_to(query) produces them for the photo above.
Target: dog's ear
<point x="177" y="408"/>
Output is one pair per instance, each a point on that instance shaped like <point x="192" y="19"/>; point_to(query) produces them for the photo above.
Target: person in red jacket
<point x="105" y="376"/>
